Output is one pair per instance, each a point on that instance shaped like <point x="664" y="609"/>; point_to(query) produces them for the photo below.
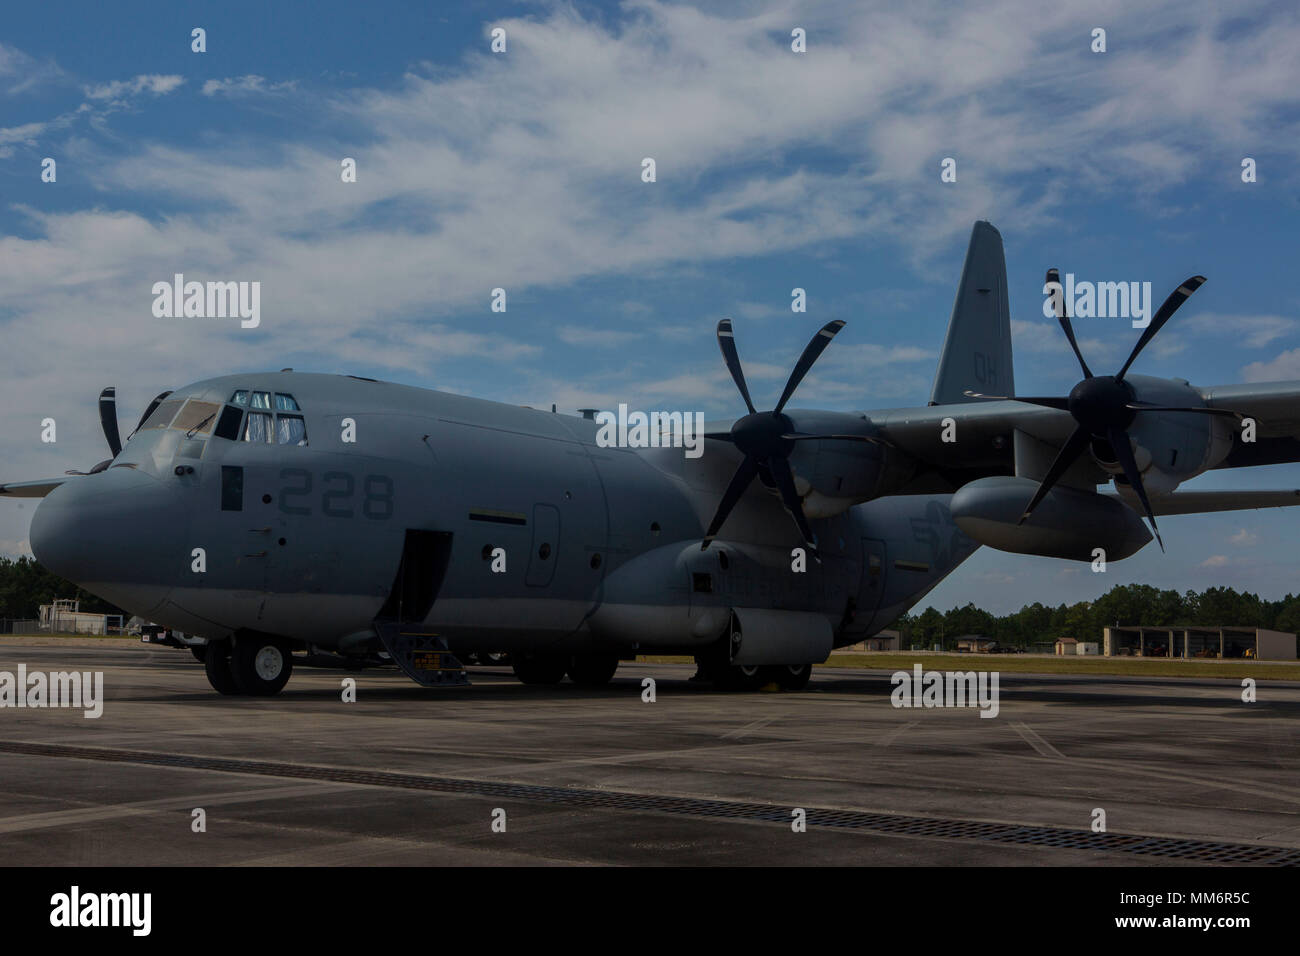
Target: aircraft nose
<point x="102" y="532"/>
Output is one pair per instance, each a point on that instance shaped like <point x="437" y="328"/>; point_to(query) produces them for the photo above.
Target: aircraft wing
<point x="984" y="432"/>
<point x="1276" y="408"/>
<point x="31" y="489"/>
<point x="1200" y="502"/>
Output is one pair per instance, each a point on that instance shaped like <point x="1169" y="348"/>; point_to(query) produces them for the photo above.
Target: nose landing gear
<point x="258" y="665"/>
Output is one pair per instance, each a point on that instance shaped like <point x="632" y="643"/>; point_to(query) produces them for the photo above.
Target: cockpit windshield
<point x="196" y="418"/>
<point x="162" y="415"/>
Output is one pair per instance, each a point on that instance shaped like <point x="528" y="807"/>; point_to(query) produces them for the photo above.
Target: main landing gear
<point x="737" y="677"/>
<point x="257" y="665"/>
<point x="585" y="670"/>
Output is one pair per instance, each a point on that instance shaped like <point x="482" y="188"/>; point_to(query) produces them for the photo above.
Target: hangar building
<point x="1186" y="642"/>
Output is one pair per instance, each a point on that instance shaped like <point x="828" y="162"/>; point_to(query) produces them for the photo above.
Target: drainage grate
<point x="1193" y="851"/>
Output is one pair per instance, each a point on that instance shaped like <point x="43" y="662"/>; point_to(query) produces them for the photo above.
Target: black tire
<point x="738" y="678"/>
<point x="216" y="664"/>
<point x="790" y="676"/>
<point x="200" y="652"/>
<point x="592" y="670"/>
<point x="261" y="664"/>
<point x="541" y="669"/>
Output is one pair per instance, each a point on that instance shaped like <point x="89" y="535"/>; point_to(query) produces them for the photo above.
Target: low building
<point x="1066" y="645"/>
<point x="975" y="644"/>
<point x="880" y="641"/>
<point x="65" y="616"/>
<point x="1256" y="643"/>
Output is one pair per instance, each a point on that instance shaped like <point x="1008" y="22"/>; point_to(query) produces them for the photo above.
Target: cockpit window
<point x="228" y="423"/>
<point x="262" y="400"/>
<point x="196" y="418"/>
<point x="258" y="427"/>
<point x="285" y="403"/>
<point x="162" y="415"/>
<point x="290" y="430"/>
<point x="240" y="397"/>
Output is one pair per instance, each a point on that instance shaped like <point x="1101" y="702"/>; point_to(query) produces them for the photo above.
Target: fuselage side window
<point x="228" y="423"/>
<point x="290" y="430"/>
<point x="258" y="428"/>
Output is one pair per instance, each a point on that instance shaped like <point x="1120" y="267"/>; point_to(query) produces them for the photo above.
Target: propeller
<point x="768" y="438"/>
<point x="108" y="421"/>
<point x="1103" y="406"/>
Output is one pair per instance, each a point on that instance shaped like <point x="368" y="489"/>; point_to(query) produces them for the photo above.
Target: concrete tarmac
<point x="409" y="776"/>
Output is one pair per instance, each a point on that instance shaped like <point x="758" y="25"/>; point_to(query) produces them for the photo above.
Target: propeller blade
<point x="150" y="410"/>
<point x="108" y="419"/>
<point x="1171" y="305"/>
<point x="1199" y="409"/>
<point x="719" y="436"/>
<point x="784" y="478"/>
<point x="739" y="482"/>
<point x="727" y="342"/>
<point x="1064" y="318"/>
<point x="1047" y="401"/>
<point x="1075" y="444"/>
<point x="810" y="353"/>
<point x="1124" y="451"/>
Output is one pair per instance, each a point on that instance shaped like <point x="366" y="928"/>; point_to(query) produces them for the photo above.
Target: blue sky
<point x="775" y="170"/>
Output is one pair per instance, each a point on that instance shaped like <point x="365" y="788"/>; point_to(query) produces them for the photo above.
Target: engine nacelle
<point x="1068" y="523"/>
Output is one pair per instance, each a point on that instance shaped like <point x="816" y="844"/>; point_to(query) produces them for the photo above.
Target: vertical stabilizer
<point x="977" y="351"/>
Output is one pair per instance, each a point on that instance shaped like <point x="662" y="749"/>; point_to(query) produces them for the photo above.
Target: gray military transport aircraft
<point x="275" y="512"/>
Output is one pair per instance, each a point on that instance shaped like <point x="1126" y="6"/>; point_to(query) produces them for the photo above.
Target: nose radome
<point x="105" y="532"/>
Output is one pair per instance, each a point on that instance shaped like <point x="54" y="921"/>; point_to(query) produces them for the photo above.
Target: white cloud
<point x="1284" y="367"/>
<point x="589" y="337"/>
<point x="156" y="83"/>
<point x="1243" y="538"/>
<point x="243" y="85"/>
<point x="1215" y="561"/>
<point x="1255" y="331"/>
<point x="20" y="72"/>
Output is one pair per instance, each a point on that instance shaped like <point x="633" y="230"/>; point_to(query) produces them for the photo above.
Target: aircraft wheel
<point x="542" y="669"/>
<point x="216" y="664"/>
<point x="261" y="664"/>
<point x="738" y="677"/>
<point x="791" y="676"/>
<point x="592" y="670"/>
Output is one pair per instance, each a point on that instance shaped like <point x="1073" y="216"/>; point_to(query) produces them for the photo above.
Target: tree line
<point x="1125" y="604"/>
<point x="25" y="585"/>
